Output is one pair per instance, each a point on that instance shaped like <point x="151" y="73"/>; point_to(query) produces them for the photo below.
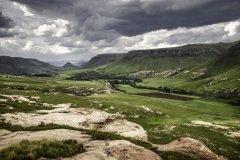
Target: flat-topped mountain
<point x="159" y="59"/>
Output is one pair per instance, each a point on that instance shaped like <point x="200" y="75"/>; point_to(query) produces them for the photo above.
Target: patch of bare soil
<point x="190" y="147"/>
<point x="234" y="134"/>
<point x="208" y="124"/>
<point x="63" y="114"/>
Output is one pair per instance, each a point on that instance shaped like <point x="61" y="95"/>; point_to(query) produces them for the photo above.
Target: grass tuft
<point x="33" y="150"/>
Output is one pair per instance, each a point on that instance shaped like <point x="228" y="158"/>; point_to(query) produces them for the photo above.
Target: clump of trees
<point x="163" y="89"/>
<point x="94" y="75"/>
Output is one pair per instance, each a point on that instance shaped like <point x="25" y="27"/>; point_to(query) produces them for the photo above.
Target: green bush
<point x="33" y="150"/>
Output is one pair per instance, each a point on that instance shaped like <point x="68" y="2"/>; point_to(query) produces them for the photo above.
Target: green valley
<point x="152" y="101"/>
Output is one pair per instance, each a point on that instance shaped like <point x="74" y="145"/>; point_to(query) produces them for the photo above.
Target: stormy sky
<point x="53" y="30"/>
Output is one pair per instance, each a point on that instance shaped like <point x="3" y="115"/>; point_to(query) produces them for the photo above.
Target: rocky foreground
<point x="92" y="119"/>
<point x="95" y="150"/>
<point x="110" y="150"/>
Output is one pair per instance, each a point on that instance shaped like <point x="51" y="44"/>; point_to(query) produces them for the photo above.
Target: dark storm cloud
<point x="209" y="13"/>
<point x="95" y="18"/>
<point x="6" y="32"/>
<point x="79" y="29"/>
<point x="5" y="26"/>
<point x="5" y="22"/>
<point x="41" y="5"/>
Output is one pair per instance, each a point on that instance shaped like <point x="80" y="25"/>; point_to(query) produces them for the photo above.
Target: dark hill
<point x="69" y="66"/>
<point x="20" y="66"/>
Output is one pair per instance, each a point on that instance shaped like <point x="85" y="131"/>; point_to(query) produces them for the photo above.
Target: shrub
<point x="32" y="150"/>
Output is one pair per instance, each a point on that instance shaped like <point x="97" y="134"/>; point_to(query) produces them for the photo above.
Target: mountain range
<point x="19" y="66"/>
<point x="133" y="61"/>
<point x="25" y="66"/>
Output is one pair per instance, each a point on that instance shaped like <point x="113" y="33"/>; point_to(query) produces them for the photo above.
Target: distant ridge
<point x="19" y="66"/>
<point x="158" y="59"/>
<point x="69" y="66"/>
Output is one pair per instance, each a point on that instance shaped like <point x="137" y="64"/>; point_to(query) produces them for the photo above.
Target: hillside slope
<point x="221" y="77"/>
<point x="227" y="60"/>
<point x="166" y="58"/>
<point x="101" y="59"/>
<point x="19" y="66"/>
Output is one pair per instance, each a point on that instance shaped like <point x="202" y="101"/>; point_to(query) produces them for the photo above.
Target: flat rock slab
<point x="4" y="132"/>
<point x="115" y="150"/>
<point x="85" y="118"/>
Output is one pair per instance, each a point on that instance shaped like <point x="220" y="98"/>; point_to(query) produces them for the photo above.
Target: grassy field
<point x="47" y="82"/>
<point x="224" y="79"/>
<point x="168" y="119"/>
<point x="152" y="63"/>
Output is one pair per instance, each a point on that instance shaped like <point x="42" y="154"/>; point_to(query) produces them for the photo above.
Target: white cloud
<point x="25" y="10"/>
<point x="44" y="29"/>
<point x="232" y="28"/>
<point x="221" y="32"/>
<point x="45" y="37"/>
<point x="57" y="49"/>
<point x="57" y="28"/>
<point x="7" y="43"/>
<point x="43" y="47"/>
<point x="28" y="45"/>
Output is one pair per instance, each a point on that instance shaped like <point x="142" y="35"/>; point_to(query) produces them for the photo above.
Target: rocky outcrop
<point x="115" y="150"/>
<point x="190" y="147"/>
<point x="110" y="150"/>
<point x="94" y="150"/>
<point x="92" y="119"/>
<point x="63" y="114"/>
